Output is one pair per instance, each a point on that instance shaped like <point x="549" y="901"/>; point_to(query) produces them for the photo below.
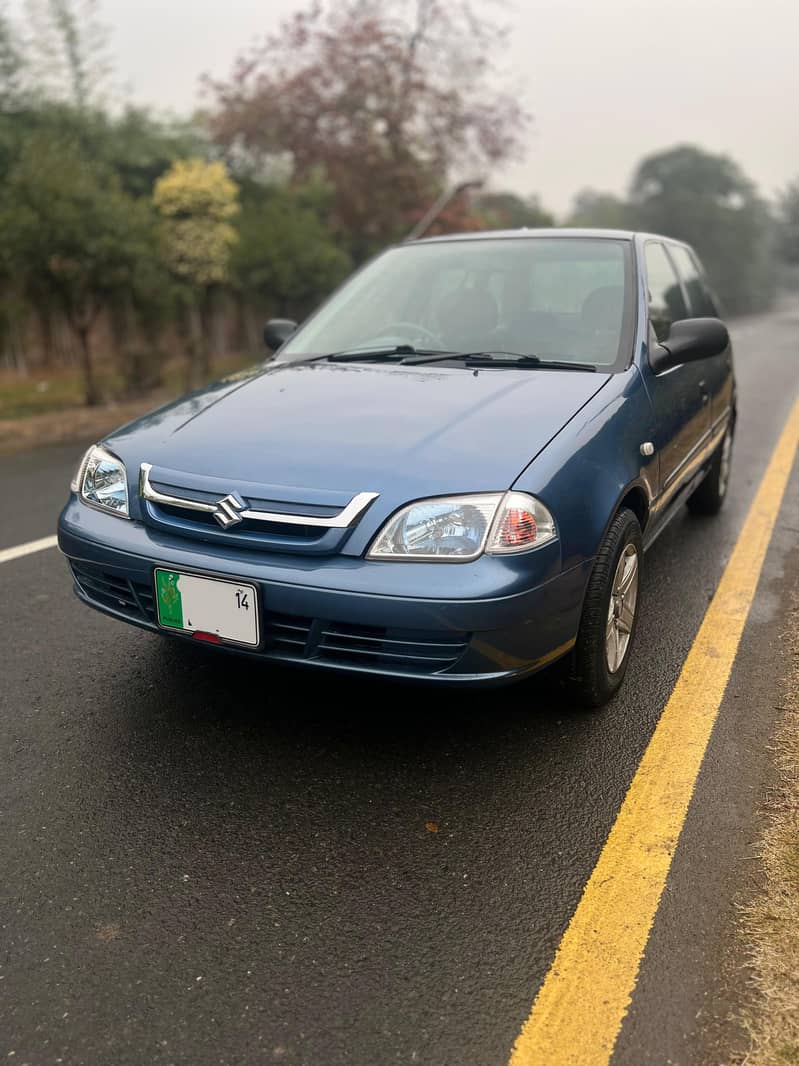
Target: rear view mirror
<point x="277" y="331"/>
<point x="688" y="341"/>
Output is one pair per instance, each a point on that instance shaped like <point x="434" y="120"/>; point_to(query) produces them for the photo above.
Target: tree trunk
<point x="254" y="330"/>
<point x="205" y="332"/>
<point x="219" y="324"/>
<point x="196" y="351"/>
<point x="45" y="319"/>
<point x="90" y="385"/>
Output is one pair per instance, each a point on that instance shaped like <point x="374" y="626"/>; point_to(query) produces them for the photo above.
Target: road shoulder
<point x="19" y="435"/>
<point x="697" y="960"/>
<point x="769" y="922"/>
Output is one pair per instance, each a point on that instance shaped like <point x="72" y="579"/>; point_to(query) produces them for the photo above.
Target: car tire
<point x="711" y="493"/>
<point x="602" y="651"/>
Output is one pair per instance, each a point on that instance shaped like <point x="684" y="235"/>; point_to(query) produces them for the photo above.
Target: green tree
<point x="72" y="236"/>
<point x="197" y="202"/>
<point x="136" y="149"/>
<point x="506" y="210"/>
<point x="286" y="260"/>
<point x="12" y="308"/>
<point x="603" y="210"/>
<point x="705" y="199"/>
<point x="788" y="223"/>
<point x="136" y="146"/>
<point x="141" y="148"/>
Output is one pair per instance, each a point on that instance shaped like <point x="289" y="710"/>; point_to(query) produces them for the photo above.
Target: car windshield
<point x="558" y="298"/>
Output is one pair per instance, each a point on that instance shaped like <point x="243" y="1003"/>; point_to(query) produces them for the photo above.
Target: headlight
<point x="459" y="528"/>
<point x="101" y="481"/>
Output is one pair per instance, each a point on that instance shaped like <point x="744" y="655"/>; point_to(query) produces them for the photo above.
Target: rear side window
<point x="698" y="294"/>
<point x="666" y="303"/>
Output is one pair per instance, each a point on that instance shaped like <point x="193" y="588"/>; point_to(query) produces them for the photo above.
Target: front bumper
<point x="365" y="624"/>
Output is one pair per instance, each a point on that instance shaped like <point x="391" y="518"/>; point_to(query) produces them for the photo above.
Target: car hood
<point x="353" y="427"/>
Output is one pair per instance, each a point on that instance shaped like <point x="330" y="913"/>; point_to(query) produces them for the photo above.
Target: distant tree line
<point x="707" y="200"/>
<point x="131" y="239"/>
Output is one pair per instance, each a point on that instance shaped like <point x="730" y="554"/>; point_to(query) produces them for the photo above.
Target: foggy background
<point x="606" y="82"/>
<point x="176" y="173"/>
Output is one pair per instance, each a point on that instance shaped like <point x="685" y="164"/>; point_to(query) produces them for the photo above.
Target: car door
<point x="680" y="396"/>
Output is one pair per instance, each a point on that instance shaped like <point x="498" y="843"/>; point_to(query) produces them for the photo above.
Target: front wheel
<point x="711" y="493"/>
<point x="610" y="614"/>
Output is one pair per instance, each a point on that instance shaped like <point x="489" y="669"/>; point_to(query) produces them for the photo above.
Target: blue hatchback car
<point x="450" y="472"/>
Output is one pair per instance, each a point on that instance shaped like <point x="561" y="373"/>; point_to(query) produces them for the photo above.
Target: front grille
<point x="315" y="510"/>
<point x="134" y="599"/>
<point x="345" y="644"/>
<point x="166" y="503"/>
<point x="297" y="638"/>
<point x="248" y="531"/>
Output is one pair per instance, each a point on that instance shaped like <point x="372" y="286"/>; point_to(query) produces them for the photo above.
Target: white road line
<point x="7" y="554"/>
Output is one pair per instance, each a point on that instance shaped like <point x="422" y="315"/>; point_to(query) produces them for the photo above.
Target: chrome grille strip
<point x="342" y="520"/>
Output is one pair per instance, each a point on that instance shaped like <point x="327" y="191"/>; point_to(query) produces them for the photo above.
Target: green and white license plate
<point x="225" y="610"/>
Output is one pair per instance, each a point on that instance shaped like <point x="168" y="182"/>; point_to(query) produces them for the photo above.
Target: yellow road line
<point x="7" y="554"/>
<point x="578" y="1012"/>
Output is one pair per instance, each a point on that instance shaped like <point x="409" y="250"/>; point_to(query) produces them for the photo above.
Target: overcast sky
<point x="607" y="80"/>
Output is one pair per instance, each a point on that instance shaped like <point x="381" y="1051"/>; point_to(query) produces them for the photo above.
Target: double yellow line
<point x="579" y="1010"/>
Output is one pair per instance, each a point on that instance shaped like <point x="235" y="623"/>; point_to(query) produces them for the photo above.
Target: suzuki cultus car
<point x="448" y="473"/>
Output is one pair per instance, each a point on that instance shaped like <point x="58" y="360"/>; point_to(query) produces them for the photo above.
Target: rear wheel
<point x="711" y="493"/>
<point x="610" y="614"/>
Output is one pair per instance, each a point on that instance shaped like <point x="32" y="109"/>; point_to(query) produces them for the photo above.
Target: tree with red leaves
<point x="384" y="101"/>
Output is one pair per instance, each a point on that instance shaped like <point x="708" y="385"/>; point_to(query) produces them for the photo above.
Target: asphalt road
<point x="209" y="862"/>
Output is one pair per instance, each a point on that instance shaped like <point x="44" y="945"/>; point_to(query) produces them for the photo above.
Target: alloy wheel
<point x="621" y="609"/>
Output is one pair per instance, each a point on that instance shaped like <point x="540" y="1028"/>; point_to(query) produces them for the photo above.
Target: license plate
<point x="227" y="610"/>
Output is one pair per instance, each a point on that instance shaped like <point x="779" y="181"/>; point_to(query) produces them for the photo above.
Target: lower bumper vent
<point x="295" y="638"/>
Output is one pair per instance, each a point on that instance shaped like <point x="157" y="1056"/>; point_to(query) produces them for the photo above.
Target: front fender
<point x="585" y="472"/>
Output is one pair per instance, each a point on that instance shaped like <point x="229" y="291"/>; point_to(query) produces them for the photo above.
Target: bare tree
<point x="67" y="51"/>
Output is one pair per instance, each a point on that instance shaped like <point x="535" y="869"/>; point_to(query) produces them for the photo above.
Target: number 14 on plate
<point x="188" y="603"/>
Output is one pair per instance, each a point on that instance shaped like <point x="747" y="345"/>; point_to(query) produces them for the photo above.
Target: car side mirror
<point x="688" y="341"/>
<point x="277" y="331"/>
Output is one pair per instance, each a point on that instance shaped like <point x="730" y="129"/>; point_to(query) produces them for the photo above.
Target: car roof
<point x="555" y="231"/>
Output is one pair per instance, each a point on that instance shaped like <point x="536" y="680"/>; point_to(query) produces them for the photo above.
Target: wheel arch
<point x="636" y="499"/>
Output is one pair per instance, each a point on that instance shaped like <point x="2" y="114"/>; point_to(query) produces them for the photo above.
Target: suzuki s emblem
<point x="228" y="510"/>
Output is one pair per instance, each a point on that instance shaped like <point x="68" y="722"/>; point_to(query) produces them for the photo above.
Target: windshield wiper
<point x="498" y="358"/>
<point x="407" y="355"/>
<point x="397" y="351"/>
<point x="503" y="359"/>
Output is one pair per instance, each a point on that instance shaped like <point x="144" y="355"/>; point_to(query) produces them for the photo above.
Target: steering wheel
<point x="415" y="329"/>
